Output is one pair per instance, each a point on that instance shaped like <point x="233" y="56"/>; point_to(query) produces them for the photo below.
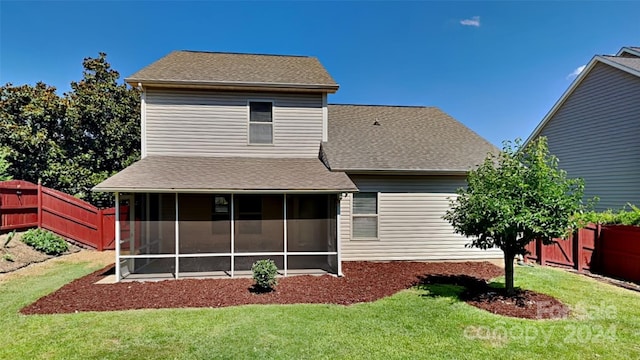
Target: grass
<point x="417" y="323"/>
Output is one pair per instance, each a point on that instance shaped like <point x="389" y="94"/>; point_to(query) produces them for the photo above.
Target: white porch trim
<point x="284" y="231"/>
<point x="117" y="221"/>
<point x="177" y="229"/>
<point x="233" y="235"/>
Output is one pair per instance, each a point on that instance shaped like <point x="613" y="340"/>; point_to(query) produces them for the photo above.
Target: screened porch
<point x="182" y="235"/>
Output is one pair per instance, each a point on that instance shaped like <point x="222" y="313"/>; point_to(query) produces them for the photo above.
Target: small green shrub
<point x="8" y="257"/>
<point x="45" y="241"/>
<point x="9" y="238"/>
<point x="264" y="274"/>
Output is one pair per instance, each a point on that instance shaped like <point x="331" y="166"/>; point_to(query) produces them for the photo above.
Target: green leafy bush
<point x="45" y="241"/>
<point x="264" y="274"/>
<point x="623" y="217"/>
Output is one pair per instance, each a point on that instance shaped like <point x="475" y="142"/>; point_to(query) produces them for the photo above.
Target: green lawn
<point x="417" y="323"/>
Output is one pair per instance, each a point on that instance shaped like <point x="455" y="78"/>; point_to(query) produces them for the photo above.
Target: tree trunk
<point x="508" y="272"/>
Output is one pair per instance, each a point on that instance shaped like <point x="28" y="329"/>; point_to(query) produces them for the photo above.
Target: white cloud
<point x="576" y="72"/>
<point x="474" y="21"/>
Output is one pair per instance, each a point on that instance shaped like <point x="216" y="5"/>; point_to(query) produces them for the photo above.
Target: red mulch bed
<point x="524" y="304"/>
<point x="363" y="282"/>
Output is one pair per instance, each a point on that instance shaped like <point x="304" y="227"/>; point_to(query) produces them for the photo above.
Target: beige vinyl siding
<point x="410" y="221"/>
<point x="207" y="123"/>
<point x="596" y="136"/>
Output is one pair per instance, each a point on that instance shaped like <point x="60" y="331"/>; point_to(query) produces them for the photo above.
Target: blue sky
<point x="498" y="67"/>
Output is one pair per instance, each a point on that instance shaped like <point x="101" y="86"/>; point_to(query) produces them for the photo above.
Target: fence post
<point x="540" y="251"/>
<point x="100" y="246"/>
<point x="39" y="203"/>
<point x="577" y="251"/>
<point x="597" y="248"/>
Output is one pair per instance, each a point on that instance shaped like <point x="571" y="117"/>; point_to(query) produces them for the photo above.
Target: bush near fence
<point x="25" y="205"/>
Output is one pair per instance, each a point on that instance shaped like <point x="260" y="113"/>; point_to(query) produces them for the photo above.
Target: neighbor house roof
<point x="632" y="63"/>
<point x="371" y="138"/>
<point x="627" y="60"/>
<point x="226" y="174"/>
<point x="217" y="69"/>
<point x="629" y="51"/>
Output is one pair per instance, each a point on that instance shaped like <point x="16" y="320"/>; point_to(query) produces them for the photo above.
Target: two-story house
<point x="243" y="159"/>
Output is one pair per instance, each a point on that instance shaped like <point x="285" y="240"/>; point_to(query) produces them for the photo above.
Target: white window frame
<point x="376" y="215"/>
<point x="249" y="122"/>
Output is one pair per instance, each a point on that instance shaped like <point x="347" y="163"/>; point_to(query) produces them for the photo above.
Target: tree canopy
<point x="4" y="164"/>
<point x="515" y="197"/>
<point x="74" y="141"/>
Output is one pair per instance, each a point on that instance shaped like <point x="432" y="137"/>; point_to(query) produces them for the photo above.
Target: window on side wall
<point x="261" y="122"/>
<point x="364" y="216"/>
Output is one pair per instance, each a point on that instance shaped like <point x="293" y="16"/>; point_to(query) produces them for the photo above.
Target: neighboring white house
<point x="594" y="129"/>
<point x="243" y="159"/>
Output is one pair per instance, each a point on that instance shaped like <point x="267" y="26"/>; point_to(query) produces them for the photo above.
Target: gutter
<point x="401" y="172"/>
<point x="224" y="191"/>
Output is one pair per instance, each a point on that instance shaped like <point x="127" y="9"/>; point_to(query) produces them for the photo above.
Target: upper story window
<point x="260" y="122"/>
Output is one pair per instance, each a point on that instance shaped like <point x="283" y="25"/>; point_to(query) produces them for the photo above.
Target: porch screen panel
<point x="312" y="262"/>
<point x="147" y="224"/>
<point x="205" y="223"/>
<point x="148" y="268"/>
<point x="243" y="263"/>
<point x="204" y="266"/>
<point x="167" y="224"/>
<point x="259" y="223"/>
<point x="309" y="227"/>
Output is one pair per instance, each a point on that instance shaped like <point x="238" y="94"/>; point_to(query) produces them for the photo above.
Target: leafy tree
<point x="104" y="121"/>
<point x="4" y="164"/>
<point x="31" y="129"/>
<point x="71" y="142"/>
<point x="515" y="197"/>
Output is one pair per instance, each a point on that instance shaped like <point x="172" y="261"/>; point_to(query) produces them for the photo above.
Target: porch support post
<point x="338" y="240"/>
<point x="132" y="229"/>
<point x="177" y="240"/>
<point x="233" y="236"/>
<point x="284" y="224"/>
<point x="117" y="236"/>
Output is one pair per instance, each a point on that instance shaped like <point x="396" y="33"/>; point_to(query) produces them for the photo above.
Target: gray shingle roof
<point x="407" y="139"/>
<point x="628" y="62"/>
<point x="226" y="174"/>
<point x="233" y="68"/>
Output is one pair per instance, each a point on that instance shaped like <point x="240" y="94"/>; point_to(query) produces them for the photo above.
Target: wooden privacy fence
<point x="612" y="250"/>
<point x="25" y="205"/>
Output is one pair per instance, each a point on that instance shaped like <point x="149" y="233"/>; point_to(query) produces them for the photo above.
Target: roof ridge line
<point x="241" y="53"/>
<point x="383" y="105"/>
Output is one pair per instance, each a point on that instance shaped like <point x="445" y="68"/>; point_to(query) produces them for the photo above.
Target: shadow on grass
<point x="456" y="287"/>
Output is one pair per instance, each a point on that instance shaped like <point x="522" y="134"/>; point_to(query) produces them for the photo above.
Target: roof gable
<point x="373" y="138"/>
<point x="237" y="70"/>
<point x="630" y="65"/>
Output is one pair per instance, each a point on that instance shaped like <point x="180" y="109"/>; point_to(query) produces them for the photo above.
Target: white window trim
<point x="249" y="122"/>
<point x="376" y="215"/>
